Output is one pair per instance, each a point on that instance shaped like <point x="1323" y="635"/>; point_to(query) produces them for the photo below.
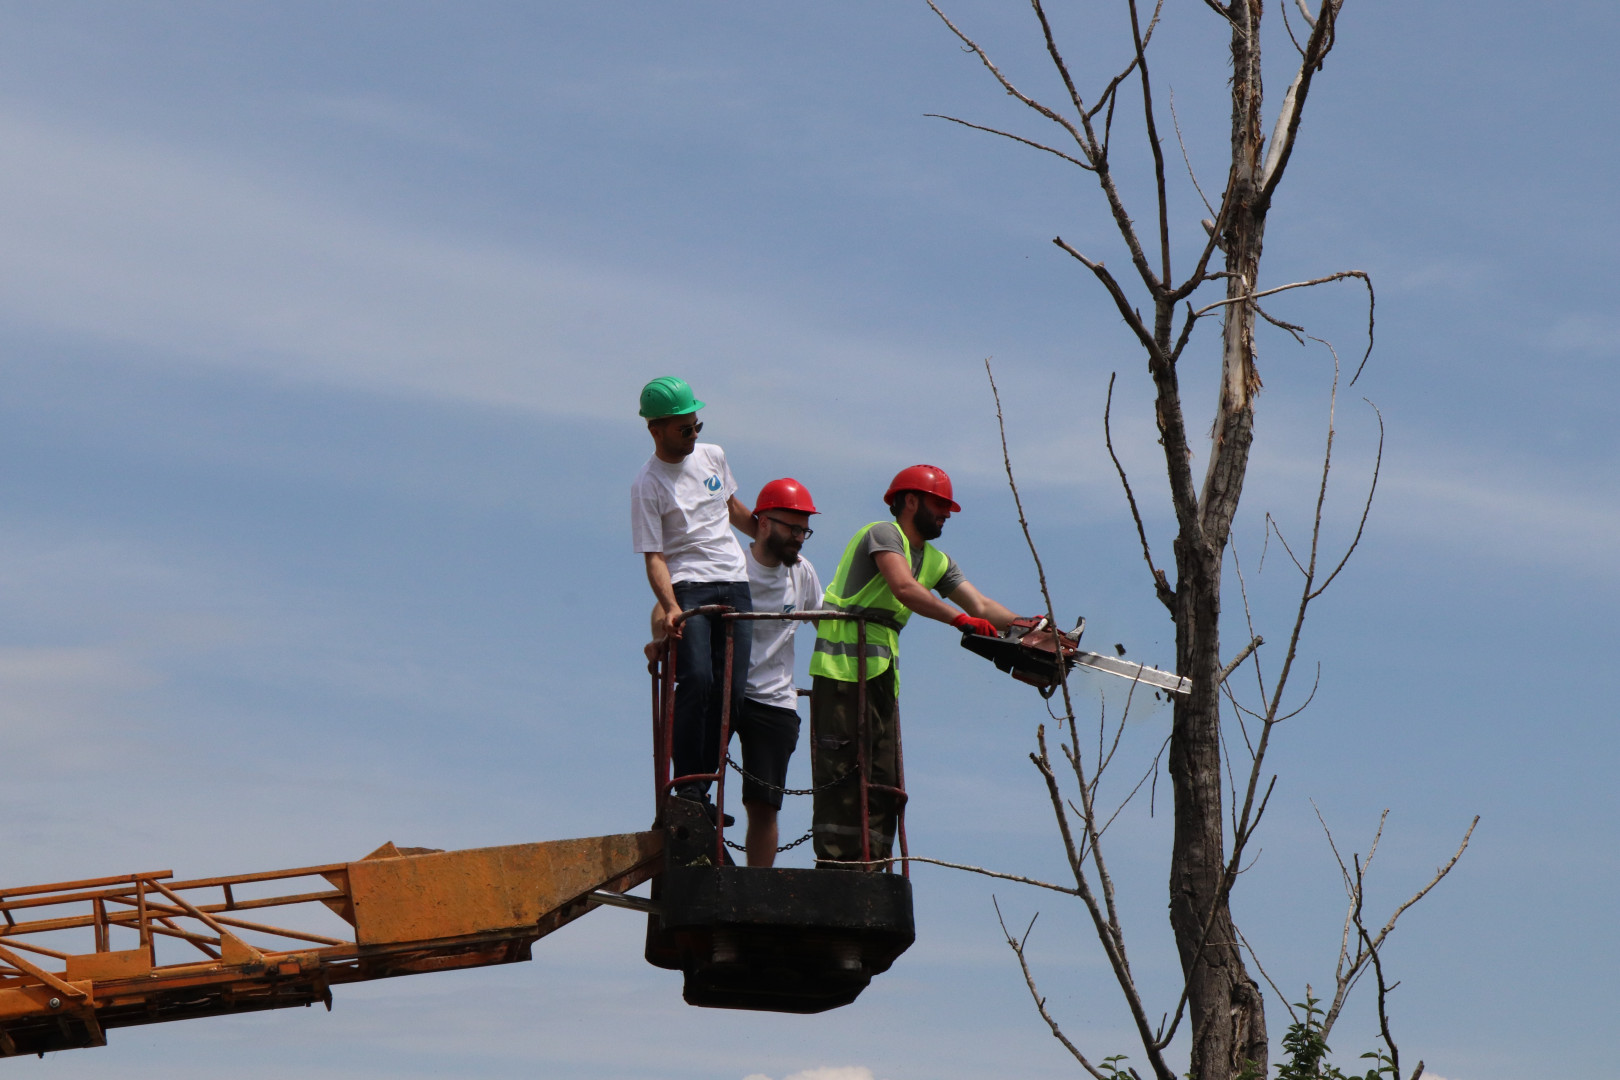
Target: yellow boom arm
<point x="395" y="912"/>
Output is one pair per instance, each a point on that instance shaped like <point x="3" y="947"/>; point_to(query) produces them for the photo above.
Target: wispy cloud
<point x="389" y="117"/>
<point x="1594" y="333"/>
<point x="1550" y="525"/>
<point x="161" y="253"/>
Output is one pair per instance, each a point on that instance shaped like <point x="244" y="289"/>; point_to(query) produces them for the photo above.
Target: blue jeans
<point x="700" y="665"/>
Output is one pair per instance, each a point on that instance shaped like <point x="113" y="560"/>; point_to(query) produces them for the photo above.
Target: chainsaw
<point x="1030" y="650"/>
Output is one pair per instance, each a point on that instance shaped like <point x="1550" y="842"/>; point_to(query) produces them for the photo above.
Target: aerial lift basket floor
<point x="781" y="939"/>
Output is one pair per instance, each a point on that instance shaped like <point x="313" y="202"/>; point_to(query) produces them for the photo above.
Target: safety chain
<point x="746" y="775"/>
<point x="784" y="847"/>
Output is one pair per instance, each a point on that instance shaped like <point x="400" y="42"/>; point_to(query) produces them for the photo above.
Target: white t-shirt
<point x="680" y="510"/>
<point x="770" y="659"/>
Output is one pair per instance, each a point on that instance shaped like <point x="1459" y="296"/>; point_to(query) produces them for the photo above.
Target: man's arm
<point x="908" y="590"/>
<point x="655" y="647"/>
<point x="742" y="518"/>
<point x="976" y="603"/>
<point x="664" y="590"/>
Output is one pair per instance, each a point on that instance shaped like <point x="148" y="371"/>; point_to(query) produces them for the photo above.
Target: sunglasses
<point x="686" y="431"/>
<point x="798" y="532"/>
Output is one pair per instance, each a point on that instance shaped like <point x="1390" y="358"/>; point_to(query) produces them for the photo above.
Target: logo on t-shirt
<point x="786" y="608"/>
<point x="712" y="483"/>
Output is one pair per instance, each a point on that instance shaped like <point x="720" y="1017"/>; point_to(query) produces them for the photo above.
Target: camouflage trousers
<point x="837" y="814"/>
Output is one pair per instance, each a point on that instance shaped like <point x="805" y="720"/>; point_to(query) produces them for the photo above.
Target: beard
<point x="784" y="548"/>
<point x="929" y="527"/>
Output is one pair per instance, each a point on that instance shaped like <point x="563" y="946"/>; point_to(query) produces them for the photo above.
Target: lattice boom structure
<point x="395" y="912"/>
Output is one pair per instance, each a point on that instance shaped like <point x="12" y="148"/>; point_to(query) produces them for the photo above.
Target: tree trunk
<point x="1227" y="1011"/>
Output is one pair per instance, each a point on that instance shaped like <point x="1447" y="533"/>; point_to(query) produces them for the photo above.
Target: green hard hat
<point x="667" y="396"/>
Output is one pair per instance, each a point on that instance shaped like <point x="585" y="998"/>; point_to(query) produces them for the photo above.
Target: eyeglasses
<point x="686" y="431"/>
<point x="798" y="532"/>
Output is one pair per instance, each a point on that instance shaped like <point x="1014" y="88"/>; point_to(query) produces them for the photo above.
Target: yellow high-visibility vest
<point x="836" y="642"/>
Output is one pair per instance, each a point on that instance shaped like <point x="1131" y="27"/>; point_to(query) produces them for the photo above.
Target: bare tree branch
<point x="1248" y="613"/>
<point x="1351" y="967"/>
<point x="1276" y="530"/>
<point x="1007" y="85"/>
<point x="1309" y="21"/>
<point x="1310" y="697"/>
<point x="1023" y="523"/>
<point x="1062" y="66"/>
<point x="1017" y="946"/>
<point x="1293" y="330"/>
<point x="1366" y="507"/>
<point x="1019" y="878"/>
<point x="1132" y="317"/>
<point x="1243" y="654"/>
<point x="1153" y="141"/>
<point x="1439" y="875"/>
<point x="1105" y="925"/>
<point x="1152" y="771"/>
<point x="1161" y="586"/>
<point x="1287" y="130"/>
<point x="1361" y="275"/>
<point x="1015" y="138"/>
<point x="1181" y="142"/>
<point x="1186" y="332"/>
<point x="1275" y="989"/>
<point x="1097" y="151"/>
<point x="1252" y="296"/>
<point x="1222" y="12"/>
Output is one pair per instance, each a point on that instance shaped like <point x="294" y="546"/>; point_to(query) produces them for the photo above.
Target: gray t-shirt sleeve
<point x="886" y="537"/>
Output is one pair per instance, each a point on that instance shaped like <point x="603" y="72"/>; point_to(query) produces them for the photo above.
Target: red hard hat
<point x="926" y="478"/>
<point x="785" y="494"/>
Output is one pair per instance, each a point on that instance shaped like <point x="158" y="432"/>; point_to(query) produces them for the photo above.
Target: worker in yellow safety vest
<point x="886" y="574"/>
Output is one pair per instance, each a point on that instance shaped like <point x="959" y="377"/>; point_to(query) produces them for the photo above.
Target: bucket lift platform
<point x="783" y="940"/>
<point x="777" y="939"/>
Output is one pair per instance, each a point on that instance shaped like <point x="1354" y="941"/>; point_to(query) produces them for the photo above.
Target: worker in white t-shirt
<point x="767" y="724"/>
<point x="683" y="506"/>
<point x="766" y="718"/>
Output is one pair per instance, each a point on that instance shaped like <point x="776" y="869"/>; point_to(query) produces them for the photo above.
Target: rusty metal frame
<point x="664" y="676"/>
<point x="405" y="912"/>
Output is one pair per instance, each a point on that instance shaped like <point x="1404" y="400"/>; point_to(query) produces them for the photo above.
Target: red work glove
<point x="972" y="624"/>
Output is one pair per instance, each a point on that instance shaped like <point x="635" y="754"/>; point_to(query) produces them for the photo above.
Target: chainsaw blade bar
<point x="1147" y="676"/>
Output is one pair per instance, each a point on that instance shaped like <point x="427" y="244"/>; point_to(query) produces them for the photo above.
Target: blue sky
<point x="321" y="328"/>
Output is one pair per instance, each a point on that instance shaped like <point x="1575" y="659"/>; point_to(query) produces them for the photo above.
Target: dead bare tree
<point x="1222" y="1002"/>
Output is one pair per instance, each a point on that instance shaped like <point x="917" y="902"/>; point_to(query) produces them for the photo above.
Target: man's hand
<point x="973" y="624"/>
<point x="977" y="604"/>
<point x="668" y="624"/>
